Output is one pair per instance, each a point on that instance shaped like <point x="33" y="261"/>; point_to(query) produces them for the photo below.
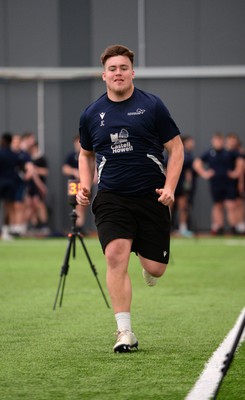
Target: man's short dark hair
<point x="6" y="139"/>
<point x="117" y="50"/>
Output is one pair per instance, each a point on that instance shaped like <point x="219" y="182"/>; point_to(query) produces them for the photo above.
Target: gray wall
<point x="75" y="32"/>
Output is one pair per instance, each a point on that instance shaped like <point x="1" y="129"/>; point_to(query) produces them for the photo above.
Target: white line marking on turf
<point x="211" y="375"/>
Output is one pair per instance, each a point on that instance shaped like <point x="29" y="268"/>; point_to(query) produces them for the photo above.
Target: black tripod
<point x="65" y="267"/>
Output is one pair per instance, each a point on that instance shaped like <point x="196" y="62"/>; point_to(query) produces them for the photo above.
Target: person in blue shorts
<point x="70" y="170"/>
<point x="222" y="168"/>
<point x="36" y="201"/>
<point x="10" y="163"/>
<point x="185" y="189"/>
<point x="21" y="145"/>
<point x="233" y="143"/>
<point x="125" y="131"/>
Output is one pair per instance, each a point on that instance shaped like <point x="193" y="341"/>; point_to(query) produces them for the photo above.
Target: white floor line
<point x="210" y="377"/>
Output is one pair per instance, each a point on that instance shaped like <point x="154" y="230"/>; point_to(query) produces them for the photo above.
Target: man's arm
<point x="175" y="151"/>
<point x="86" y="173"/>
<point x="30" y="173"/>
<point x="198" y="166"/>
<point x="70" y="171"/>
<point x="238" y="170"/>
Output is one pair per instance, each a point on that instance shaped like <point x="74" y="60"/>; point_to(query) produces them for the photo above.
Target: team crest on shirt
<point x="120" y="142"/>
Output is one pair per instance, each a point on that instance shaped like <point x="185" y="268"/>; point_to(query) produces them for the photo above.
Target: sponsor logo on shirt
<point x="137" y="112"/>
<point x="120" y="142"/>
<point x="102" y="122"/>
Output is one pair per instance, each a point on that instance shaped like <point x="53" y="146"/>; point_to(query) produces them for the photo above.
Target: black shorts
<point x="220" y="193"/>
<point x="141" y="218"/>
<point x="6" y="189"/>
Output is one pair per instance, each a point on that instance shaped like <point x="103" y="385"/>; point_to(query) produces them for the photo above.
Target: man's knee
<point x="154" y="268"/>
<point x="159" y="269"/>
<point x="117" y="252"/>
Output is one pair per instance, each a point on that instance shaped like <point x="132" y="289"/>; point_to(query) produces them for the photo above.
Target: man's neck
<point x="117" y="97"/>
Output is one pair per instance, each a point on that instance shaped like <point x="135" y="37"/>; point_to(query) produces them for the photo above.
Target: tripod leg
<point x="74" y="247"/>
<point x="57" y="294"/>
<point x="64" y="271"/>
<point x="93" y="269"/>
<point x="62" y="290"/>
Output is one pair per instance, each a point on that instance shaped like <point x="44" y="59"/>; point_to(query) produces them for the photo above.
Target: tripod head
<point x="73" y="218"/>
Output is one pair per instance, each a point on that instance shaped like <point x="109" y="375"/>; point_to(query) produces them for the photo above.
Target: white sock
<point x="6" y="233"/>
<point x="240" y="227"/>
<point x="19" y="228"/>
<point x="183" y="227"/>
<point x="123" y="321"/>
<point x="5" y="229"/>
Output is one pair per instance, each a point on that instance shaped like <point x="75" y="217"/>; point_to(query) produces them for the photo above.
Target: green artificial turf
<point x="67" y="353"/>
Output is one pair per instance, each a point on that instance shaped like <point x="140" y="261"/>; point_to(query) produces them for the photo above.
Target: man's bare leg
<point x="119" y="286"/>
<point x="152" y="270"/>
<point x="117" y="254"/>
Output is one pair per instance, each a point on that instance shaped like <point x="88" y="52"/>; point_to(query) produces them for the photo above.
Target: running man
<point x="125" y="131"/>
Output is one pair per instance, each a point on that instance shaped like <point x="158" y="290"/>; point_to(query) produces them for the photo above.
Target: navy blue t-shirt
<point x="24" y="158"/>
<point x="221" y="161"/>
<point x="72" y="159"/>
<point x="128" y="138"/>
<point x="187" y="166"/>
<point x="10" y="163"/>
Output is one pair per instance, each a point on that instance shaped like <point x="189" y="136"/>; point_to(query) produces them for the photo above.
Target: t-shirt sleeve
<point x="85" y="138"/>
<point x="23" y="158"/>
<point x="165" y="124"/>
<point x="41" y="162"/>
<point x="205" y="156"/>
<point x="68" y="159"/>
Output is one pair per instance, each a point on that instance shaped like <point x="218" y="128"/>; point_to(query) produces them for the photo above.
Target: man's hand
<point x="83" y="197"/>
<point x="207" y="174"/>
<point x="166" y="197"/>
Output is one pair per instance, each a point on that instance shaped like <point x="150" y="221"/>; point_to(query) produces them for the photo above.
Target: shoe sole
<point x="125" y="348"/>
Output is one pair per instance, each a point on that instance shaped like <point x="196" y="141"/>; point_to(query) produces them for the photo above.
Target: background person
<point x="221" y="167"/>
<point x="233" y="143"/>
<point x="70" y="169"/>
<point x="126" y="129"/>
<point x="185" y="189"/>
<point x="24" y="172"/>
<point x="36" y="203"/>
<point x="8" y="163"/>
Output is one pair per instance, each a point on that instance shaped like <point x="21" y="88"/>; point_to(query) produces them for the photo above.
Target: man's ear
<point x="103" y="76"/>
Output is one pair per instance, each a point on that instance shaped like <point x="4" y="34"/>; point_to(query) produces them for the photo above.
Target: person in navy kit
<point x="70" y="169"/>
<point x="126" y="130"/>
<point x="233" y="143"/>
<point x="10" y="164"/>
<point x="185" y="190"/>
<point x="222" y="168"/>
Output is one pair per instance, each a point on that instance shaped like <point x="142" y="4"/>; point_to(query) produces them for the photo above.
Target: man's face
<point x="77" y="146"/>
<point x="232" y="143"/>
<point x="15" y="144"/>
<point x="218" y="142"/>
<point x="118" y="75"/>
